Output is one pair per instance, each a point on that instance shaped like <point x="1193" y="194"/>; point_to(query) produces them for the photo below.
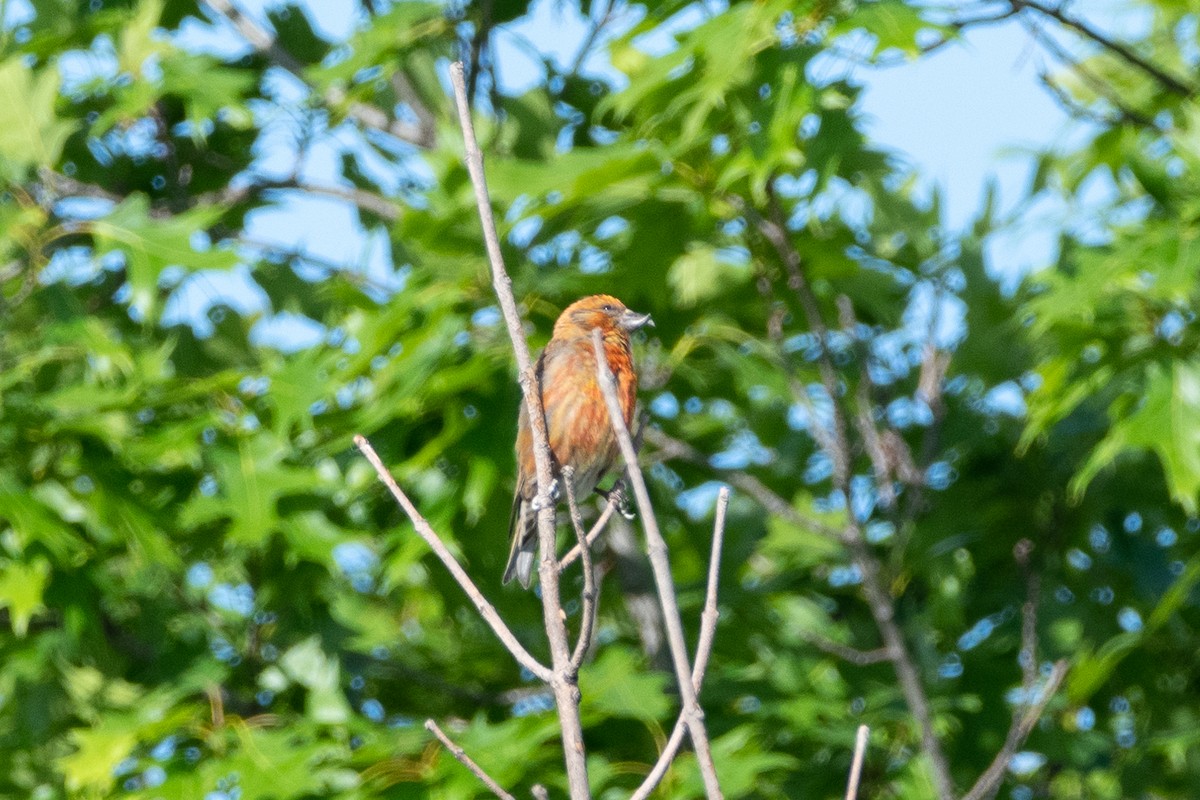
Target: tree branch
<point x="426" y="532"/>
<point x="838" y="448"/>
<point x="1164" y="78"/>
<point x="708" y="629"/>
<point x="263" y="41"/>
<point x="657" y="550"/>
<point x="564" y="681"/>
<point x="587" y="624"/>
<point x="669" y="447"/>
<point x="1034" y="699"/>
<point x="466" y="761"/>
<point x="592" y="535"/>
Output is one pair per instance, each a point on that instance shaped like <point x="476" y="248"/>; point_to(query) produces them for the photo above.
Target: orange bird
<point x="581" y="435"/>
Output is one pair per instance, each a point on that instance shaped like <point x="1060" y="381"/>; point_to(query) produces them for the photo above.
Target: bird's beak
<point x="631" y="320"/>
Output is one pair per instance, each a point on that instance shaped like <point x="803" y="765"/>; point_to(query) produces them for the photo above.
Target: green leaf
<point x="705" y="272"/>
<point x="1168" y="423"/>
<point x="617" y="685"/>
<point x="33" y="136"/>
<point x="151" y="244"/>
<point x="21" y="588"/>
<point x="98" y="751"/>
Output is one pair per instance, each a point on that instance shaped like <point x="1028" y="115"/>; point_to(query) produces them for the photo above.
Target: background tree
<point x="940" y="487"/>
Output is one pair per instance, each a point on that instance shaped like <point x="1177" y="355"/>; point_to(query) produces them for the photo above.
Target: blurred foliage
<point x="203" y="590"/>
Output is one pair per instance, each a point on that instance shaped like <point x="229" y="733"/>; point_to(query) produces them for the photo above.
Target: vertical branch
<point x="564" y="681"/>
<point x="657" y="549"/>
<point x="708" y="630"/>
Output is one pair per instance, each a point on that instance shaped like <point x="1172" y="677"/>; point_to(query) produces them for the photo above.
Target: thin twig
<point x="1034" y="699"/>
<point x="708" y="630"/>
<point x="592" y="535"/>
<point x="853" y="655"/>
<point x="564" y="680"/>
<point x="989" y="782"/>
<point x="426" y="532"/>
<point x="467" y="761"/>
<point x="860" y="752"/>
<point x="587" y="624"/>
<point x="670" y="448"/>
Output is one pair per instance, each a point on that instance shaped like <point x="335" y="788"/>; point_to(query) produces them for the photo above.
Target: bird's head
<point x="598" y="311"/>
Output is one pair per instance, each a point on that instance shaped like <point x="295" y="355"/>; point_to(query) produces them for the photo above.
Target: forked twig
<point x="656" y="548"/>
<point x="1034" y="699"/>
<point x="467" y="761"/>
<point x="426" y="532"/>
<point x="708" y="629"/>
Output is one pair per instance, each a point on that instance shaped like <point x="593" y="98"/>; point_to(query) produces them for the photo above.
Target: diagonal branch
<point x="670" y="448"/>
<point x="426" y="532"/>
<point x="1164" y="78"/>
<point x="838" y="448"/>
<point x="708" y="629"/>
<point x="657" y="550"/>
<point x="592" y="535"/>
<point x="467" y="761"/>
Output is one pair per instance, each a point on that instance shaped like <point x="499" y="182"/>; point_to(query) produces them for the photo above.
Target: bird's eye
<point x="606" y="308"/>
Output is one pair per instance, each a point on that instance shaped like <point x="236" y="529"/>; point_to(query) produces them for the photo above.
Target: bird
<point x="577" y="423"/>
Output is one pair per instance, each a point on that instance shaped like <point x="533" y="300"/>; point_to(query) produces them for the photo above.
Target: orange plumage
<point x="577" y="423"/>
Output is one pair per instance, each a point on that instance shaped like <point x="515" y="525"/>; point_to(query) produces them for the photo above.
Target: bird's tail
<point x="522" y="530"/>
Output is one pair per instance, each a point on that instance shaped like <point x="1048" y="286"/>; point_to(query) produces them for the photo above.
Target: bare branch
<point x="866" y="422"/>
<point x="708" y="630"/>
<point x="564" y="680"/>
<point x="1034" y="699"/>
<point x="1096" y="83"/>
<point x="539" y="792"/>
<point x="377" y="204"/>
<point x="466" y="761"/>
<point x="989" y="782"/>
<point x="670" y="448"/>
<point x="1164" y="78"/>
<point x="263" y="41"/>
<point x="853" y="655"/>
<point x="587" y="624"/>
<point x="656" y="547"/>
<point x="860" y="752"/>
<point x="426" y="532"/>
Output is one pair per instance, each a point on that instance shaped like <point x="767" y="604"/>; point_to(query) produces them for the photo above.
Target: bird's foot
<point x="548" y="499"/>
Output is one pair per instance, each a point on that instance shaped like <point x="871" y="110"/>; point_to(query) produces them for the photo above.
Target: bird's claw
<point x="548" y="499"/>
<point x="620" y="497"/>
